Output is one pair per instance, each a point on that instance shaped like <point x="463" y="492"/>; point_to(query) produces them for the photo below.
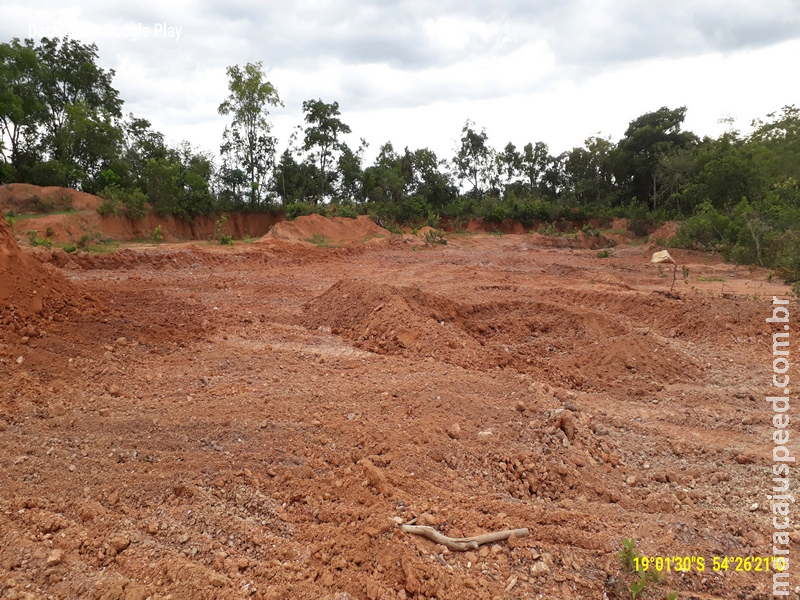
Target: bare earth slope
<point x="252" y="422"/>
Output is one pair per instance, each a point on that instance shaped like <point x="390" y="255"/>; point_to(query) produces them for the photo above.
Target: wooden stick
<point x="462" y="544"/>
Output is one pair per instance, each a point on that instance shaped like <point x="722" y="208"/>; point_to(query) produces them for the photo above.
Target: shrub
<point x="69" y="248"/>
<point x="35" y="240"/>
<point x="434" y="236"/>
<point x="346" y="209"/>
<point x="129" y="201"/>
<point x="219" y="232"/>
<point x="157" y="235"/>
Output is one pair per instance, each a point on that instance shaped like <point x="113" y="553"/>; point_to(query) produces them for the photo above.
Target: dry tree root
<point x="462" y="544"/>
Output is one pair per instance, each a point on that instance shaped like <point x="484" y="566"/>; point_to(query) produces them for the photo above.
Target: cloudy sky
<point x="413" y="71"/>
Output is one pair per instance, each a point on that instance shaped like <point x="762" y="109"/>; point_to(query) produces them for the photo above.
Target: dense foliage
<point x="62" y="124"/>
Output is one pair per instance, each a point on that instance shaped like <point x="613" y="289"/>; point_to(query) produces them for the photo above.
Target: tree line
<point x="62" y="124"/>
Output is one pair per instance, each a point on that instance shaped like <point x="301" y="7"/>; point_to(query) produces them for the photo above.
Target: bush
<point x="131" y="202"/>
<point x="219" y="232"/>
<point x="434" y="236"/>
<point x="346" y="209"/>
<point x="35" y="240"/>
<point x="70" y="248"/>
<point x="303" y="209"/>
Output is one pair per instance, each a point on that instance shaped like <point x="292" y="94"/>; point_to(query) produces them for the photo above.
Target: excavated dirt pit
<point x="189" y="421"/>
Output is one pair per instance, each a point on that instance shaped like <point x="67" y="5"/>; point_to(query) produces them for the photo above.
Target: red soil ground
<point x="254" y="421"/>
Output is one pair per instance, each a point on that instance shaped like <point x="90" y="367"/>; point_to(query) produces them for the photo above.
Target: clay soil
<point x="192" y="421"/>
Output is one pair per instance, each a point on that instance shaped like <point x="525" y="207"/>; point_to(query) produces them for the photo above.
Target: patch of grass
<point x="605" y="253"/>
<point x="711" y="279"/>
<point x="494" y="232"/>
<point x="96" y="242"/>
<point x="319" y="240"/>
<point x="35" y="240"/>
<point x="70" y="248"/>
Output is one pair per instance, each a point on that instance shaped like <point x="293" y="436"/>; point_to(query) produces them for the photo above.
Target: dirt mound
<point x="27" y="287"/>
<point x="666" y="231"/>
<point x="580" y="348"/>
<point x="327" y="231"/>
<point x="389" y="320"/>
<point x="24" y="197"/>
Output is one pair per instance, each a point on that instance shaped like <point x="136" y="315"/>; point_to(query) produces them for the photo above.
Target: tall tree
<point x="21" y="107"/>
<point x="534" y="161"/>
<point x="474" y="158"/>
<point x="646" y="140"/>
<point x="324" y="127"/>
<point x="78" y="94"/>
<point x="247" y="146"/>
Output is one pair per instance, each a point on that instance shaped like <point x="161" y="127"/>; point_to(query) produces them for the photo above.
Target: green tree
<point x="429" y="180"/>
<point x="646" y="140"/>
<point x="248" y="149"/>
<point x="351" y="171"/>
<point x="534" y="161"/>
<point x="474" y="159"/>
<point x="21" y="106"/>
<point x="587" y="171"/>
<point x="80" y="124"/>
<point x="324" y="127"/>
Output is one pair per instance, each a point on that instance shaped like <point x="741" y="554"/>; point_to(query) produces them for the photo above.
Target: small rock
<point x="471" y="557"/>
<point x="538" y="569"/>
<point x="674" y="477"/>
<point x="376" y="477"/>
<point x="120" y="542"/>
<point x="56" y="557"/>
<point x="520" y="406"/>
<point x="454" y="431"/>
<point x="483" y="435"/>
<point x="218" y="580"/>
<point x="754" y="507"/>
<point x="114" y="390"/>
<point x="25" y="339"/>
<point x="631" y="481"/>
<point x="744" y="459"/>
<point x="497" y="549"/>
<point x="71" y="468"/>
<point x="113" y="498"/>
<point x="567" y="424"/>
<point x="484" y="551"/>
<point x="121" y="341"/>
<point x="58" y="410"/>
<point x="20" y="360"/>
<point x="242" y="563"/>
<point x="427" y="519"/>
<point x="104" y="412"/>
<point x="183" y="539"/>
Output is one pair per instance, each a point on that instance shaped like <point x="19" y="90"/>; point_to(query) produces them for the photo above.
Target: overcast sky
<point x="413" y="71"/>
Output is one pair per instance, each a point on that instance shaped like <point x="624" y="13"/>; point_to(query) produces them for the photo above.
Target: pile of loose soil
<point x="581" y="348"/>
<point x="24" y="197"/>
<point x="327" y="231"/>
<point x="666" y="231"/>
<point x="394" y="320"/>
<point x="30" y="290"/>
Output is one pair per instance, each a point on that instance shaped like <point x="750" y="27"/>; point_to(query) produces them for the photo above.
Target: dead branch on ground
<point x="462" y="544"/>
